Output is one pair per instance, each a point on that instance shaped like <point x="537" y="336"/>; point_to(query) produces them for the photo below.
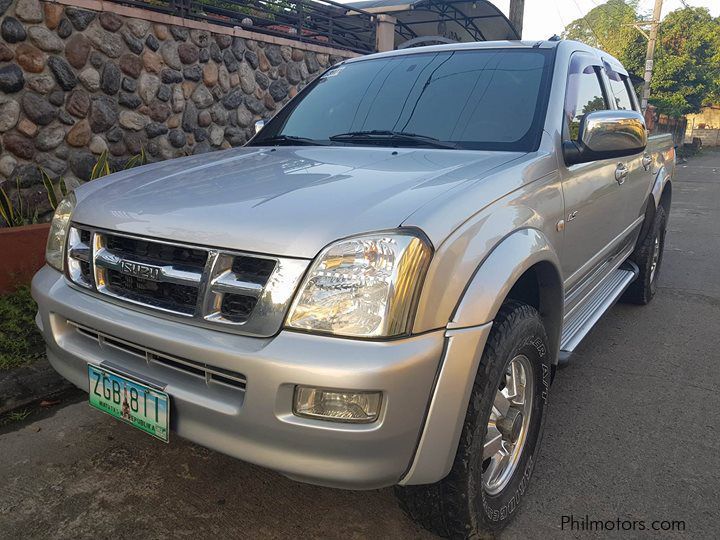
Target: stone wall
<point x="709" y="137"/>
<point x="707" y="118"/>
<point x="704" y="125"/>
<point x="75" y="82"/>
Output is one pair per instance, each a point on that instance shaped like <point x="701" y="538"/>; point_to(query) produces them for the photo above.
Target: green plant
<point x="50" y="188"/>
<point x="686" y="75"/>
<point x="101" y="168"/>
<point x="20" y="340"/>
<point x="7" y="211"/>
<point x="266" y="10"/>
<point x="136" y="160"/>
<point x="15" y="416"/>
<point x="686" y="72"/>
<point x="15" y="215"/>
<point x="608" y="26"/>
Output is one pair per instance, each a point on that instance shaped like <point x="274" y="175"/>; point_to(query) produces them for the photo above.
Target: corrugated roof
<point x="457" y="20"/>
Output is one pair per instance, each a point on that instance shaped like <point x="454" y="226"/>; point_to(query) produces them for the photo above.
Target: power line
<point x="557" y="9"/>
<point x="617" y="9"/>
<point x="592" y="30"/>
<point x="649" y="59"/>
<point x="638" y="21"/>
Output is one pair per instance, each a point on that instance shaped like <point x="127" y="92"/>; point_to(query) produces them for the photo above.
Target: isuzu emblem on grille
<point x="144" y="271"/>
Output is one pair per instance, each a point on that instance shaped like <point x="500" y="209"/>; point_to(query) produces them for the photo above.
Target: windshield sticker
<point x="333" y="72"/>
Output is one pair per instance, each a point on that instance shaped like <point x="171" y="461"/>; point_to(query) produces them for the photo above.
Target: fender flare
<point x="466" y="336"/>
<point x="498" y="273"/>
<point x="661" y="179"/>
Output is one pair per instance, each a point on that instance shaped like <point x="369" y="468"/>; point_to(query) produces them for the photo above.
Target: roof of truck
<point x="515" y="44"/>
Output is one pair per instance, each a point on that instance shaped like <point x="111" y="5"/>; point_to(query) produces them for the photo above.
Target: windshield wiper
<point x="289" y="140"/>
<point x="387" y="135"/>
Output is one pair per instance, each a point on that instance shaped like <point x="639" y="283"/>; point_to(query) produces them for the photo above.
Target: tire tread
<point x="640" y="291"/>
<point x="442" y="508"/>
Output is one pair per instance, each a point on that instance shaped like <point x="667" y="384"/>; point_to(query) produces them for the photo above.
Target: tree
<point x="686" y="74"/>
<point x="607" y="27"/>
<point x="686" y="71"/>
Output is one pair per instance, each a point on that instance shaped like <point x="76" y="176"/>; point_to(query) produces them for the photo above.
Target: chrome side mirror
<point x="259" y="125"/>
<point x="605" y="135"/>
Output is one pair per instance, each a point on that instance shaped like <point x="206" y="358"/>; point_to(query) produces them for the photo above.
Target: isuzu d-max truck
<point x="378" y="288"/>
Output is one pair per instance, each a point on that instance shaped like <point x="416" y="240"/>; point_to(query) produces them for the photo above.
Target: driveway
<point x="632" y="434"/>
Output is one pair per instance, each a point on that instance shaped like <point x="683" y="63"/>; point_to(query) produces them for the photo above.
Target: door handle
<point x="646" y="162"/>
<point x="621" y="172"/>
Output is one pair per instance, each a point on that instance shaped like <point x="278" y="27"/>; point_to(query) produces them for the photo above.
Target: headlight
<point x="55" y="251"/>
<point x="365" y="286"/>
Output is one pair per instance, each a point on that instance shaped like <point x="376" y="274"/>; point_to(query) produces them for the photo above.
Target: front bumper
<point x="256" y="423"/>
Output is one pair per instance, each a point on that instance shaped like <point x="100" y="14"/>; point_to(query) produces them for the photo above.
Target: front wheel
<point x="500" y="437"/>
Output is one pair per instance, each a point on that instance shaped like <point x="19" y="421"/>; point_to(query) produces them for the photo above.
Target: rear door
<point x="594" y="203"/>
<point x="638" y="182"/>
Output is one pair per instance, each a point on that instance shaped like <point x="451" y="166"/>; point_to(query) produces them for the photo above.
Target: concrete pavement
<point x="632" y="434"/>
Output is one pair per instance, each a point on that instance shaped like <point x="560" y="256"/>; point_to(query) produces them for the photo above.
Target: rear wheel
<point x="500" y="437"/>
<point x="648" y="256"/>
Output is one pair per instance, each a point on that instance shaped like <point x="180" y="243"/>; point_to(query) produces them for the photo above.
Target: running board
<point x="600" y="300"/>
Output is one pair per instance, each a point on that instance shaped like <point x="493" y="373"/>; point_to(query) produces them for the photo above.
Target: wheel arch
<point x="523" y="266"/>
<point x="666" y="197"/>
<point x="660" y="195"/>
<point x="662" y="188"/>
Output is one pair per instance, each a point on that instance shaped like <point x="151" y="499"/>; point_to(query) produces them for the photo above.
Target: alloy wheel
<point x="508" y="425"/>
<point x="655" y="259"/>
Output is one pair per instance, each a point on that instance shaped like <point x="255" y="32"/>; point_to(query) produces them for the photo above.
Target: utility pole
<point x="652" y="38"/>
<point x="517" y="11"/>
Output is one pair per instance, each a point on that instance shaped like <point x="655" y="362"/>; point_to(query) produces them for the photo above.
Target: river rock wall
<point x="76" y="82"/>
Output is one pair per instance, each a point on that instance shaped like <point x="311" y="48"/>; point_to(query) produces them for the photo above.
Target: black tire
<point x="643" y="289"/>
<point x="459" y="506"/>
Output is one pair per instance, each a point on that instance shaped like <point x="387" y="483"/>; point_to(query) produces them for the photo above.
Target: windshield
<point x="489" y="99"/>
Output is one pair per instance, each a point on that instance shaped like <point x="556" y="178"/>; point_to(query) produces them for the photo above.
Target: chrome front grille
<point x="165" y="295"/>
<point x="157" y="252"/>
<point x="247" y="292"/>
<point x="163" y="276"/>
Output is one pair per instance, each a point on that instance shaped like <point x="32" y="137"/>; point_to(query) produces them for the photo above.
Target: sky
<point x="543" y="18"/>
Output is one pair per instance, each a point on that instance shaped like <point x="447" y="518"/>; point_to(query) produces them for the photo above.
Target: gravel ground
<point x="632" y="434"/>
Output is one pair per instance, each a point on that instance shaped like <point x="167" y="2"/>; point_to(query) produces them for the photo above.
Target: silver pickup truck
<point x="377" y="289"/>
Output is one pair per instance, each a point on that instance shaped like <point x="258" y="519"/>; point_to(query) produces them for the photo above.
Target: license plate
<point x="130" y="401"/>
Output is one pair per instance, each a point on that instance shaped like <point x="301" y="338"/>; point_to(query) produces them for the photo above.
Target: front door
<point x="638" y="181"/>
<point x="594" y="206"/>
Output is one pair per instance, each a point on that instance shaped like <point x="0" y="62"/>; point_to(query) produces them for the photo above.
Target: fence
<point x="661" y="123"/>
<point x="709" y="137"/>
<point x="323" y="22"/>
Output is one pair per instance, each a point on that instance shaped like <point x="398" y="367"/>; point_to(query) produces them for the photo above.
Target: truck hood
<point x="286" y="201"/>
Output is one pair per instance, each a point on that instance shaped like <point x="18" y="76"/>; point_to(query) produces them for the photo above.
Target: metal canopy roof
<point x="442" y="21"/>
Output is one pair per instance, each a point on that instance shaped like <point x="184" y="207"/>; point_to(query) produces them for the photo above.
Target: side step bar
<point x="581" y="321"/>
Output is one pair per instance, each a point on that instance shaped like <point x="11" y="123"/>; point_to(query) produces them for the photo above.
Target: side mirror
<point x="605" y="135"/>
<point x="259" y="125"/>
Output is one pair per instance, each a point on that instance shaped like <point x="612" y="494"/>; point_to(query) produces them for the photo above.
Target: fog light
<point x="337" y="405"/>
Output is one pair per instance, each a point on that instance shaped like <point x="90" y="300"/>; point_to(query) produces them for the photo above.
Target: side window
<point x="633" y="95"/>
<point x="619" y="86"/>
<point x="584" y="94"/>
